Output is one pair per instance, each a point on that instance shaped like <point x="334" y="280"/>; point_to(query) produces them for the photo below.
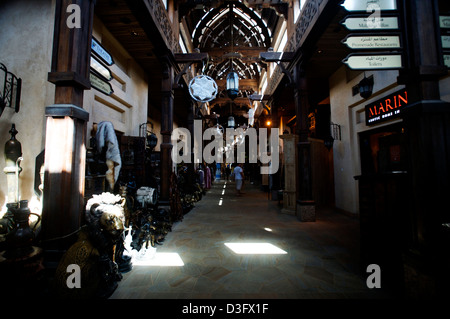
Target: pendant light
<point x="232" y="77"/>
<point x="232" y="84"/>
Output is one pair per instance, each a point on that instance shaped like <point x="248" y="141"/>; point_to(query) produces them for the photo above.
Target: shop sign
<point x="365" y="5"/>
<point x="101" y="52"/>
<point x="100" y="69"/>
<point x="445" y="41"/>
<point x="386" y="108"/>
<point x="100" y="84"/>
<point x="374" y="62"/>
<point x="368" y="23"/>
<point x="447" y="60"/>
<point x="444" y="22"/>
<point x="372" y="41"/>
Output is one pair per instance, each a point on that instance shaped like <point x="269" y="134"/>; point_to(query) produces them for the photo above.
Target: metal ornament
<point x="203" y="88"/>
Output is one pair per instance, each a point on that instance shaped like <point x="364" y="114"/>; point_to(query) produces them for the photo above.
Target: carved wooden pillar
<point x="166" y="132"/>
<point x="190" y="127"/>
<point x="427" y="125"/>
<point x="306" y="207"/>
<point x="65" y="150"/>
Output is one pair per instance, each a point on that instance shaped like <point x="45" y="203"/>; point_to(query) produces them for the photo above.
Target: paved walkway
<point x="320" y="259"/>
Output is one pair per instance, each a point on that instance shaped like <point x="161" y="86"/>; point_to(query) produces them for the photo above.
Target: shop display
<point x="13" y="157"/>
<point x="108" y="145"/>
<point x="95" y="252"/>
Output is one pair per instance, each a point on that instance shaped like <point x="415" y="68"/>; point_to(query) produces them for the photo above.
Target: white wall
<point x="126" y="108"/>
<point x="26" y="41"/>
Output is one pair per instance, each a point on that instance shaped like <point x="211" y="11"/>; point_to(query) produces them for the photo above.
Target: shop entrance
<point x="384" y="189"/>
<point x="383" y="150"/>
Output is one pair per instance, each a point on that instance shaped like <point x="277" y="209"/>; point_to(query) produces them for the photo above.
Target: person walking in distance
<point x="239" y="178"/>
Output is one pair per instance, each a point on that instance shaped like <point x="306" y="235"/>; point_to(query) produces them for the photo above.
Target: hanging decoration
<point x="203" y="88"/>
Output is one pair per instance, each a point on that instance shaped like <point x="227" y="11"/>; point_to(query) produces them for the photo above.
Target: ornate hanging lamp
<point x="232" y="83"/>
<point x="232" y="77"/>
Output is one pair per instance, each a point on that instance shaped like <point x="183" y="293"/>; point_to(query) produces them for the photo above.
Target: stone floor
<point x="320" y="260"/>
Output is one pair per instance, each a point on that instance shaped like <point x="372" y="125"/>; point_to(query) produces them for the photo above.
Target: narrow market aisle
<point x="281" y="258"/>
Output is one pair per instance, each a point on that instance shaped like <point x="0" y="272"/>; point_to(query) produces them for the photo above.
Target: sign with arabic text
<point x="368" y="23"/>
<point x="100" y="69"/>
<point x="445" y="41"/>
<point x="372" y="41"/>
<point x="374" y="62"/>
<point x="444" y="22"/>
<point x="101" y="52"/>
<point x="447" y="60"/>
<point x="100" y="84"/>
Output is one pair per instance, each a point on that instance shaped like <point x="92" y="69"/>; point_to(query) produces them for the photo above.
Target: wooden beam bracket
<point x="188" y="59"/>
<point x="278" y="58"/>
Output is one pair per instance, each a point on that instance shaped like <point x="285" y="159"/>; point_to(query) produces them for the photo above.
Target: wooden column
<point x="306" y="207"/>
<point x="65" y="151"/>
<point x="290" y="155"/>
<point x="166" y="132"/>
<point x="427" y="125"/>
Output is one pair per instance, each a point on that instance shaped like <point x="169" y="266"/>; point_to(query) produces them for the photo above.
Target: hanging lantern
<point x="152" y="140"/>
<point x="232" y="85"/>
<point x="328" y="142"/>
<point x="365" y="87"/>
<point x="231" y="121"/>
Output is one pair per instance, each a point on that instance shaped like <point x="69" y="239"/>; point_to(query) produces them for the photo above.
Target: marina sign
<point x="372" y="41"/>
<point x="387" y="108"/>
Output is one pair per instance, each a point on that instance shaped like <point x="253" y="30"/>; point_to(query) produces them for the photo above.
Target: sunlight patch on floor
<point x="255" y="249"/>
<point x="159" y="259"/>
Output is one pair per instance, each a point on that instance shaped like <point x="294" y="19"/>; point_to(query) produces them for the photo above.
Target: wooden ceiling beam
<point x="246" y="52"/>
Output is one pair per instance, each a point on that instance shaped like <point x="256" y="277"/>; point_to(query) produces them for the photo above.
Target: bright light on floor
<point x="159" y="259"/>
<point x="255" y="248"/>
<point x="268" y="229"/>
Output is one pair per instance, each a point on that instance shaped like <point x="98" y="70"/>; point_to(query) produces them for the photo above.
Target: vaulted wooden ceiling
<point x="254" y="22"/>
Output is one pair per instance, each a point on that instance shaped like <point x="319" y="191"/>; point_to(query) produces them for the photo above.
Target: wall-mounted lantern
<point x="366" y="87"/>
<point x="10" y="87"/>
<point x="335" y="134"/>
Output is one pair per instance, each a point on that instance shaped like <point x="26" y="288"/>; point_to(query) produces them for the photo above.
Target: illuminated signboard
<point x="387" y="108"/>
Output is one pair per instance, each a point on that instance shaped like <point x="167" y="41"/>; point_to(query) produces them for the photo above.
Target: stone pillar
<point x="65" y="150"/>
<point x="427" y="125"/>
<point x="166" y="132"/>
<point x="290" y="156"/>
<point x="306" y="206"/>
